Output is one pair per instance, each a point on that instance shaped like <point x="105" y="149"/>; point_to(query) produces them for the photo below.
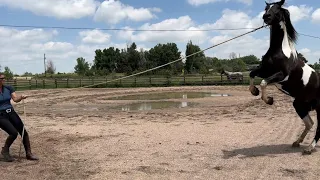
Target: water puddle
<point x="143" y="106"/>
<point x="168" y="95"/>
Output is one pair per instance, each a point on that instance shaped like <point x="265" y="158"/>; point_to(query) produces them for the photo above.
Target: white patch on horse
<point x="263" y="83"/>
<point x="314" y="143"/>
<point x="285" y="79"/>
<point x="306" y="73"/>
<point x="270" y="7"/>
<point x="287" y="45"/>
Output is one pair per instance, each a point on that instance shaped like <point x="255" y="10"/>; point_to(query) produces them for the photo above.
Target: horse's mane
<point x="292" y="33"/>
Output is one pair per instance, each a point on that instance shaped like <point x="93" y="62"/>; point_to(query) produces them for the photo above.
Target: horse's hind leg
<point x="302" y="110"/>
<point x="313" y="144"/>
<point x="254" y="90"/>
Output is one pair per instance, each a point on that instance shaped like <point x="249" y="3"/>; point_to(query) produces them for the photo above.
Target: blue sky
<point x="27" y="45"/>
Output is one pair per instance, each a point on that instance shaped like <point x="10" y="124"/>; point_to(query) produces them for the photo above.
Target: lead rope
<point x="180" y="59"/>
<point x="22" y="135"/>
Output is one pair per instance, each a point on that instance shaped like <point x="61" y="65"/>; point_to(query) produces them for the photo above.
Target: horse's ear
<point x="266" y="3"/>
<point x="281" y="2"/>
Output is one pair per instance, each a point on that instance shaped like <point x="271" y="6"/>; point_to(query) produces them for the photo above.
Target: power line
<point x="317" y="37"/>
<point x="124" y="29"/>
<point x="117" y="29"/>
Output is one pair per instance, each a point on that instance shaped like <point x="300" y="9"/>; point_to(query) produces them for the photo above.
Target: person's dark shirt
<point x="5" y="97"/>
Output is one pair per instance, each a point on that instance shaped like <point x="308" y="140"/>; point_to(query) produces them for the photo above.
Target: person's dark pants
<point x="11" y="123"/>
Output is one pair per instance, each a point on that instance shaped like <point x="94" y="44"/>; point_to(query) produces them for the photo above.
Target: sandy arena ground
<point x="78" y="135"/>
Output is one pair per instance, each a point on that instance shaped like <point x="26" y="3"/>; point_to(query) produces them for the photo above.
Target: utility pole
<point x="44" y="63"/>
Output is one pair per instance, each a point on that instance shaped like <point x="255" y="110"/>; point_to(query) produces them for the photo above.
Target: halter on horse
<point x="281" y="66"/>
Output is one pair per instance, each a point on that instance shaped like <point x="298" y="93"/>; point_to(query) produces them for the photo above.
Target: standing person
<point x="10" y="121"/>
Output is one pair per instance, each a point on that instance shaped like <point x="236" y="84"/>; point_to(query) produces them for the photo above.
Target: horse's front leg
<point x="277" y="77"/>
<point x="254" y="90"/>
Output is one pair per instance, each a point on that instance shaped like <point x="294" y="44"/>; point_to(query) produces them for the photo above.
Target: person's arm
<point x="17" y="98"/>
<point x="14" y="96"/>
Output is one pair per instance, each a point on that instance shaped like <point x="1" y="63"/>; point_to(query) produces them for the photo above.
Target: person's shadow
<point x="264" y="150"/>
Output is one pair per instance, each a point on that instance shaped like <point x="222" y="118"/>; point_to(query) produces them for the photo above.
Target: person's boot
<point x="5" y="150"/>
<point x="27" y="147"/>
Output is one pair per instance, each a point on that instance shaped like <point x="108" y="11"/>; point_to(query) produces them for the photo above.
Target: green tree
<point x="8" y="73"/>
<point x="82" y="67"/>
<point x="162" y="54"/>
<point x="194" y="62"/>
<point x="250" y="60"/>
<point x="50" y="69"/>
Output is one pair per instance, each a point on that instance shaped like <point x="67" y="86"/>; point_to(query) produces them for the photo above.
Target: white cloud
<point x="232" y="19"/>
<point x="52" y="47"/>
<point x="183" y="22"/>
<point x="202" y="2"/>
<point x="312" y="56"/>
<point x="62" y="9"/>
<point x="316" y="16"/>
<point x="298" y="13"/>
<point x="112" y="12"/>
<point x="304" y="51"/>
<point x="244" y="45"/>
<point x="95" y="37"/>
<point x="23" y="50"/>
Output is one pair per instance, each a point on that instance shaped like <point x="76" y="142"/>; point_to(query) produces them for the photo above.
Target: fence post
<point x="36" y="83"/>
<point x="55" y="82"/>
<point x="202" y="80"/>
<point x="30" y="84"/>
<point x="150" y="81"/>
<point x="15" y="84"/>
<point x="184" y="80"/>
<point x="67" y="82"/>
<point x="80" y="82"/>
<point x="135" y="81"/>
<point x="92" y="80"/>
<point x="106" y="82"/>
<point x="44" y="84"/>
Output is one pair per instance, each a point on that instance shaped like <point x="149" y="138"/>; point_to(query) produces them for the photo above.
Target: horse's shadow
<point x="265" y="150"/>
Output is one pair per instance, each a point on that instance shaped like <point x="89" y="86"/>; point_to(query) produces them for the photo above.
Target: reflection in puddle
<point x="154" y="105"/>
<point x="168" y="95"/>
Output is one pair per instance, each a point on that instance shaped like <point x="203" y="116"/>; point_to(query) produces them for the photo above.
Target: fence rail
<point x="140" y="81"/>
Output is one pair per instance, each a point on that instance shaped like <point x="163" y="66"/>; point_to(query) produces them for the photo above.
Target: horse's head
<point x="274" y="13"/>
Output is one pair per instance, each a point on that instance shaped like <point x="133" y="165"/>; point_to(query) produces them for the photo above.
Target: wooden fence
<point x="140" y="81"/>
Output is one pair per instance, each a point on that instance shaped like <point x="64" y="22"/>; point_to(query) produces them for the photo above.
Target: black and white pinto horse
<point x="232" y="75"/>
<point x="281" y="66"/>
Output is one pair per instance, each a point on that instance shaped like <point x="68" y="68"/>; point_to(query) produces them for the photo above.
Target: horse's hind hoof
<point x="270" y="100"/>
<point x="254" y="91"/>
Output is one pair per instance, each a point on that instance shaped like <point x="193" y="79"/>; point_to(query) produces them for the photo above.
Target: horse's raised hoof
<point x="296" y="144"/>
<point x="270" y="100"/>
<point x="254" y="91"/>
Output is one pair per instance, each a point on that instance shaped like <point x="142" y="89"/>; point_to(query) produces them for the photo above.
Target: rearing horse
<point x="282" y="67"/>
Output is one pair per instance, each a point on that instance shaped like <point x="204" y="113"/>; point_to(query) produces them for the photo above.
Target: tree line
<point x="131" y="60"/>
